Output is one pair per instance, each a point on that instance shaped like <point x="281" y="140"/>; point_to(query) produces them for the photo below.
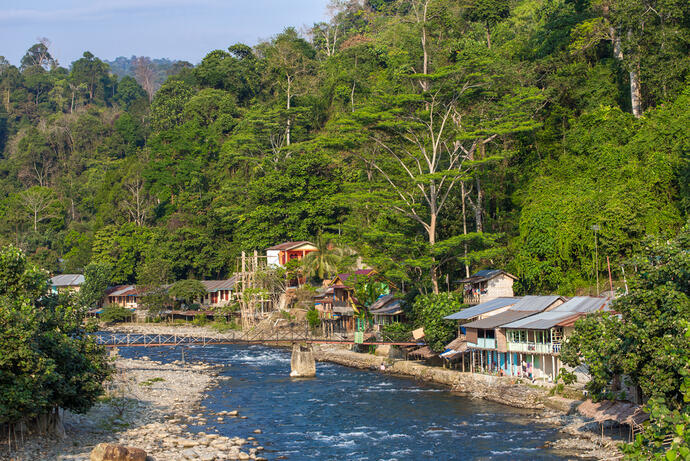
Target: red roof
<point x="290" y="245"/>
<point x="343" y="277"/>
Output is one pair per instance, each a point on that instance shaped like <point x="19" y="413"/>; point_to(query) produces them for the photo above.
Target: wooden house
<point x="219" y="293"/>
<point x="335" y="301"/>
<point x="279" y="255"/>
<point x="126" y="296"/>
<point x="486" y="341"/>
<point x="486" y="285"/>
<point x="66" y="282"/>
<point x="534" y="343"/>
<point x="386" y="310"/>
<point x="482" y="311"/>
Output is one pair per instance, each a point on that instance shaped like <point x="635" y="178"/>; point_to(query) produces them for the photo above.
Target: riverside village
<point x="352" y="230"/>
<point x="487" y="345"/>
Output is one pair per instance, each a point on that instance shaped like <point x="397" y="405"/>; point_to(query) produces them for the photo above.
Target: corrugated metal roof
<point x="67" y="280"/>
<point x="216" y="285"/>
<point x="564" y="314"/>
<point x="542" y="321"/>
<point x="482" y="308"/>
<point x="485" y="274"/>
<point x="584" y="304"/>
<point x="290" y="245"/>
<point x="498" y="320"/>
<point x="535" y="303"/>
<point x="391" y="308"/>
<point x="381" y="301"/>
<point x="457" y="344"/>
<point x="121" y="290"/>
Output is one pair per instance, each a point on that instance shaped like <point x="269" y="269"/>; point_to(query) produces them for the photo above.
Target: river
<point x="349" y="414"/>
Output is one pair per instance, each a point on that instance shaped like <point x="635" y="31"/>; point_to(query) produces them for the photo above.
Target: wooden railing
<point x="472" y="299"/>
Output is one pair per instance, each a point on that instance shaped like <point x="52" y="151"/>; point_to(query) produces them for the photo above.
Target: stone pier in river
<point x="302" y="363"/>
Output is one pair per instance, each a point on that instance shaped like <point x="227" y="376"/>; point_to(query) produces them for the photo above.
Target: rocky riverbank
<point x="149" y="405"/>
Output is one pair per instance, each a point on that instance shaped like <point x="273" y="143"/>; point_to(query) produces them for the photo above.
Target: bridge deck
<point x="156" y="340"/>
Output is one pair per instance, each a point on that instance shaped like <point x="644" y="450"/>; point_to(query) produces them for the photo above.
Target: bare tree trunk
<point x="463" y="195"/>
<point x="635" y="89"/>
<point x="635" y="94"/>
<point x="288" y="124"/>
<point x="488" y="37"/>
<point x="432" y="242"/>
<point x="478" y="210"/>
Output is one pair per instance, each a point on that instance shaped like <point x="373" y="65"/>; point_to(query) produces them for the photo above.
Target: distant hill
<point x="162" y="67"/>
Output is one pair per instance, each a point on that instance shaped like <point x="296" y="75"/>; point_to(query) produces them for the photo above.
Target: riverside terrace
<point x="520" y="338"/>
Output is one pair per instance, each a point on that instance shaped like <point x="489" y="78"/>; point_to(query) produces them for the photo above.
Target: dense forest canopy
<point x="433" y="136"/>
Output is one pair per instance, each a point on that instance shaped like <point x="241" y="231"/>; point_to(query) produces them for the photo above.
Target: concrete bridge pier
<point x="302" y="363"/>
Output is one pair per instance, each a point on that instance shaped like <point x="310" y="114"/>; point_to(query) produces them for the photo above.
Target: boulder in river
<point x="112" y="452"/>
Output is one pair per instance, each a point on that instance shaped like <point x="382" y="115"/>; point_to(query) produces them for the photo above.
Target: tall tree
<point x="39" y="55"/>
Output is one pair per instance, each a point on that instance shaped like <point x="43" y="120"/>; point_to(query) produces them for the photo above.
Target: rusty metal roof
<point x="290" y="245"/>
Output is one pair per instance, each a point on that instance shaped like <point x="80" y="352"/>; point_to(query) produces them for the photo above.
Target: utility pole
<point x="595" y="228"/>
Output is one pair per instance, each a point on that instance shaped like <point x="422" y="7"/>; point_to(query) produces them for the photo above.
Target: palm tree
<point x="327" y="260"/>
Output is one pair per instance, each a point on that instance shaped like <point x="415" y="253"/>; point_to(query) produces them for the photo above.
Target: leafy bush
<point x="429" y="310"/>
<point x="566" y="377"/>
<point x="221" y="325"/>
<point x="397" y="332"/>
<point x="115" y="313"/>
<point x="200" y="320"/>
<point x="313" y="318"/>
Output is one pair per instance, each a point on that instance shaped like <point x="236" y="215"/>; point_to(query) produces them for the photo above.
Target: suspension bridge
<point x="235" y="337"/>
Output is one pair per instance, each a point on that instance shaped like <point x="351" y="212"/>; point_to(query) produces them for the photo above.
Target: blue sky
<point x="175" y="29"/>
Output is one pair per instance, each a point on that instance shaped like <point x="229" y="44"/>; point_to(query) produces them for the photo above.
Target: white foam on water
<point x="345" y="444"/>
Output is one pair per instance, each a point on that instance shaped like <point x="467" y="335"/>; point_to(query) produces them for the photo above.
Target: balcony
<point x="531" y="348"/>
<point x="472" y="299"/>
<point x="486" y="343"/>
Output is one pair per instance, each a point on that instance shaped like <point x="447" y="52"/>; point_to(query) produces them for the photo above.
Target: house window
<point x="518" y="336"/>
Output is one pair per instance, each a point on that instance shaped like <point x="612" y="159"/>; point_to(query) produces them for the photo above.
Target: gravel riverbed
<point x="150" y="405"/>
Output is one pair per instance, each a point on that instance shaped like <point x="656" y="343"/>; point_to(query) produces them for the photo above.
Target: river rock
<point x="190" y="453"/>
<point x="257" y="431"/>
<point x="112" y="452"/>
<point x="302" y="363"/>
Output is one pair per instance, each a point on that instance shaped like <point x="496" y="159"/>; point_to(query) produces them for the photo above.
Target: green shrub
<point x="200" y="320"/>
<point x="115" y="313"/>
<point x="566" y="377"/>
<point x="429" y="311"/>
<point x="313" y="318"/>
<point x="397" y="332"/>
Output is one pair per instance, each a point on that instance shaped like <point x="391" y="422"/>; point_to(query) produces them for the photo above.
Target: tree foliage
<point x="47" y="361"/>
<point x="428" y="312"/>
<point x="646" y="341"/>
